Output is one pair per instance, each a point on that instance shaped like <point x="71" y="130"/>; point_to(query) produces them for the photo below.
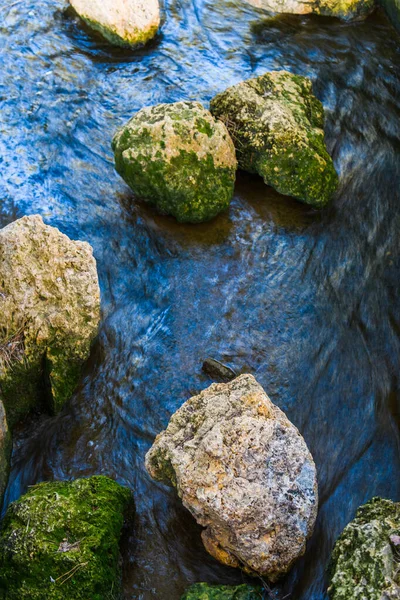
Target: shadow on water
<point x="307" y="302"/>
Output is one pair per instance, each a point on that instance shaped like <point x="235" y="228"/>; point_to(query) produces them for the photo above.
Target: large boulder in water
<point x="121" y="22"/>
<point x="244" y="472"/>
<point x="5" y="451"/>
<point x="60" y="541"/>
<point x="203" y="591"/>
<point x="49" y="314"/>
<point x="348" y="10"/>
<point x="365" y="560"/>
<point x="276" y="124"/>
<point x="179" y="158"/>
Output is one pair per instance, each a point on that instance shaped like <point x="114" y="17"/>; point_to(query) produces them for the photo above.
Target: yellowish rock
<point x="49" y="314"/>
<point x="121" y="22"/>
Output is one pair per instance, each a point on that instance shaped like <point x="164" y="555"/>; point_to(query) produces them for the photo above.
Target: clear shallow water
<point x="307" y="302"/>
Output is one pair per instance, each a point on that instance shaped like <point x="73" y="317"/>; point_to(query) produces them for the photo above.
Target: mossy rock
<point x="126" y="23"/>
<point x="179" y="158"/>
<point x="60" y="541"/>
<point x="203" y="591"/>
<point x="276" y="124"/>
<point x="49" y="315"/>
<point x="366" y="559"/>
<point x="348" y="10"/>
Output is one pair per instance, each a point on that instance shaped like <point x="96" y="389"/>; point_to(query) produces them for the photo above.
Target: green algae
<point x="60" y="541"/>
<point x="365" y="562"/>
<point x="276" y="124"/>
<point x="179" y="159"/>
<point x="203" y="591"/>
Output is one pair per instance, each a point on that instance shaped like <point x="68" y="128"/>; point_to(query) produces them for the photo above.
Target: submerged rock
<point x="392" y="8"/>
<point x="276" y="124"/>
<point x="60" y="541"/>
<point x="5" y="452"/>
<point x="348" y="10"/>
<point x="121" y="22"/>
<point x="366" y="558"/>
<point x="203" y="591"/>
<point x="216" y="370"/>
<point x="244" y="472"/>
<point x="49" y="314"/>
<point x="179" y="158"/>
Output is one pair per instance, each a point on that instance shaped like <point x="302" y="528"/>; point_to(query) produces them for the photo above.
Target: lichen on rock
<point x="365" y="562"/>
<point x="203" y="591"/>
<point x="244" y="472"/>
<point x="49" y="314"/>
<point x="179" y="158"/>
<point x="348" y="10"/>
<point x="276" y="124"/>
<point x="60" y="541"/>
<point x="122" y="22"/>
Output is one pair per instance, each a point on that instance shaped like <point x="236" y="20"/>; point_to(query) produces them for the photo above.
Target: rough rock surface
<point x="203" y="591"/>
<point x="366" y="558"/>
<point x="60" y="541"/>
<point x="178" y="157"/>
<point x="348" y="10"/>
<point x="5" y="451"/>
<point x="244" y="472"/>
<point x="121" y="22"/>
<point x="276" y="124"/>
<point x="49" y="314"/>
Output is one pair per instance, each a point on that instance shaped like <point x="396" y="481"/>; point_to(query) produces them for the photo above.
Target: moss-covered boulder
<point x="366" y="559"/>
<point x="203" y="591"/>
<point x="122" y="22"/>
<point x="49" y="314"/>
<point x="276" y="124"/>
<point x="179" y="158"/>
<point x="61" y="541"/>
<point x="348" y="10"/>
<point x="5" y="451"/>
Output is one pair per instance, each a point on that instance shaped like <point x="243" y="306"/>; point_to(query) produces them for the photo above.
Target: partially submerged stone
<point x="244" y="472"/>
<point x="5" y="451"/>
<point x="348" y="10"/>
<point x="49" y="314"/>
<point x="276" y="124"/>
<point x="366" y="559"/>
<point x="179" y="158"/>
<point x="203" y="591"/>
<point x="60" y="541"/>
<point x="121" y="22"/>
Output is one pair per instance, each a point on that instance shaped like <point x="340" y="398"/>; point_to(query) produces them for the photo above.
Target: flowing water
<point x="308" y="302"/>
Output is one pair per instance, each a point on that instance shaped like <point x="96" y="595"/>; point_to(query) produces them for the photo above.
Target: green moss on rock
<point x="49" y="315"/>
<point x="177" y="157"/>
<point x="60" y="541"/>
<point x="276" y="124"/>
<point x="366" y="559"/>
<point x="203" y="591"/>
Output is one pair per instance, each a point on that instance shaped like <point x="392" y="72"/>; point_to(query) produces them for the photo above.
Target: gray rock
<point x="244" y="472"/>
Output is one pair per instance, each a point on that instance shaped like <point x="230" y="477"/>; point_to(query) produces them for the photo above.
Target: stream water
<point x="308" y="302"/>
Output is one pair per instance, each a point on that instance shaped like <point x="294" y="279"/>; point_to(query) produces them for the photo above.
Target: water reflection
<point x="306" y="301"/>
